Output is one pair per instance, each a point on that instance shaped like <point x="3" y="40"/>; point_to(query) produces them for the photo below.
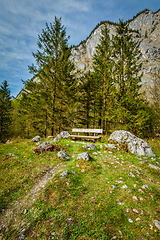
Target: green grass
<point x="93" y="205"/>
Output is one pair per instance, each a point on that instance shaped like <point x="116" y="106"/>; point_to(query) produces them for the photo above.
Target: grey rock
<point x="142" y="162"/>
<point x="10" y="155"/>
<point x="135" y="210"/>
<point x="55" y="140"/>
<point x="25" y="211"/>
<point x="154" y="167"/>
<point x="36" y="139"/>
<point x="147" y="23"/>
<point x="84" y="156"/>
<point x="63" y="134"/>
<point x="64" y="174"/>
<point x="135" y="198"/>
<point x="63" y="155"/>
<point x="157" y="224"/>
<point x="44" y="146"/>
<point x="131" y="174"/>
<point x="90" y="146"/>
<point x="21" y="237"/>
<point x="68" y="182"/>
<point x="145" y="186"/>
<point x="135" y="145"/>
<point x="110" y="146"/>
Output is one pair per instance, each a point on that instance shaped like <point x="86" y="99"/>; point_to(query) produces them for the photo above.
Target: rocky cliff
<point x="147" y="25"/>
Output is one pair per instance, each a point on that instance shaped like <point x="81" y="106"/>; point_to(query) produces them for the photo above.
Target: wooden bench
<point x="80" y="130"/>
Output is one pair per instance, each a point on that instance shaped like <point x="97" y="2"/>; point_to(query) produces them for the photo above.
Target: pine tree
<point x="5" y="112"/>
<point x="131" y="110"/>
<point x="52" y="89"/>
<point x="102" y="66"/>
<point x="85" y="101"/>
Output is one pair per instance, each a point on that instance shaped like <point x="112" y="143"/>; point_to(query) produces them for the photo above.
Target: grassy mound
<point x="116" y="195"/>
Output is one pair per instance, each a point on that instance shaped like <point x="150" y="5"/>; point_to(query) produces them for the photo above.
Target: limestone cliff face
<point x="148" y="38"/>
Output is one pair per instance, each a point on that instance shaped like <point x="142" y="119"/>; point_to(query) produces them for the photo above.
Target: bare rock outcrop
<point x="134" y="144"/>
<point x="147" y="25"/>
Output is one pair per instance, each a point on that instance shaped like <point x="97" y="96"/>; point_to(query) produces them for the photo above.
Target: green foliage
<point x="102" y="66"/>
<point x="85" y="101"/>
<point x="5" y="112"/>
<point x="47" y="98"/>
<point x="132" y="111"/>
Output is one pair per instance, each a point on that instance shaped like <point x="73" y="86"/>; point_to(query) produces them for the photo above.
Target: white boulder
<point x="135" y="145"/>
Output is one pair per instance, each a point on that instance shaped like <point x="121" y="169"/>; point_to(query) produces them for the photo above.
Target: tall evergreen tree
<point x="85" y="100"/>
<point x="55" y="80"/>
<point x="132" y="112"/>
<point x="5" y="112"/>
<point x="102" y="66"/>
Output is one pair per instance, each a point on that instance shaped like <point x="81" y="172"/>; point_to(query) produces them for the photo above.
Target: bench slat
<point x="87" y="137"/>
<point x="80" y="130"/>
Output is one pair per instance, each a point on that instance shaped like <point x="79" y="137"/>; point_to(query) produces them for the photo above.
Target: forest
<point x="60" y="97"/>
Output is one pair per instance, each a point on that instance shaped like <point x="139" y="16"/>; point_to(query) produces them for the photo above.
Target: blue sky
<point x="22" y="20"/>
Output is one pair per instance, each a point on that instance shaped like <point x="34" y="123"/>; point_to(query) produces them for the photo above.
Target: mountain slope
<point x="147" y="33"/>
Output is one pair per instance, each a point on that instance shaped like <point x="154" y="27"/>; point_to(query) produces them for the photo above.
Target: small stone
<point x="64" y="174"/>
<point x="33" y="234"/>
<point x="135" y="210"/>
<point x="154" y="167"/>
<point x="10" y="155"/>
<point x="69" y="220"/>
<point x="145" y="186"/>
<point x="157" y="224"/>
<point x="140" y="190"/>
<point x="63" y="155"/>
<point x="142" y="162"/>
<point x="140" y="198"/>
<point x="130" y="220"/>
<point x="131" y="174"/>
<point x="124" y="186"/>
<point x="114" y="237"/>
<point x="90" y="146"/>
<point x="135" y="198"/>
<point x="120" y="203"/>
<point x="25" y="211"/>
<point x="84" y="156"/>
<point x="68" y="182"/>
<point x="110" y="146"/>
<point x="21" y="237"/>
<point x="119" y="182"/>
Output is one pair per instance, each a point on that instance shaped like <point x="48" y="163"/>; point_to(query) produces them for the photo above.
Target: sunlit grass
<point x="94" y="201"/>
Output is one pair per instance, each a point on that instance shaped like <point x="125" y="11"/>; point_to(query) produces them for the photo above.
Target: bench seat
<point x="88" y="131"/>
<point x="85" y="137"/>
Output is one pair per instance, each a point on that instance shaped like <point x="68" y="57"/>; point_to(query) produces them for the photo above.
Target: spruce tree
<point x="131" y="110"/>
<point x="52" y="89"/>
<point x="102" y="66"/>
<point x="85" y="101"/>
<point x="5" y="112"/>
